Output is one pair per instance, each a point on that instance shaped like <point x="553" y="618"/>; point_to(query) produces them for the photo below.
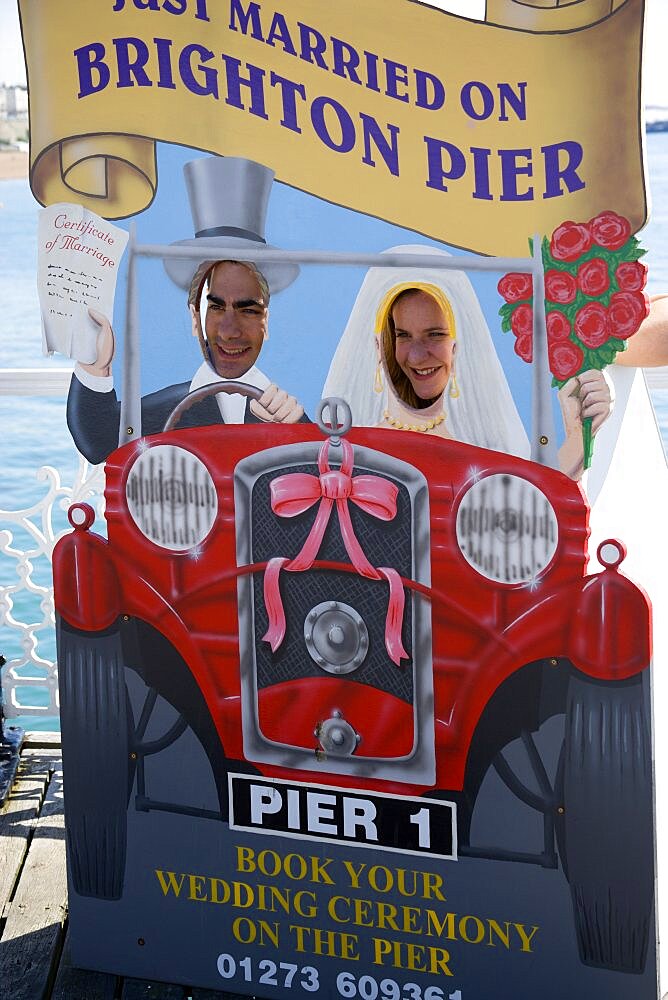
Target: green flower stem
<point x="587" y="442"/>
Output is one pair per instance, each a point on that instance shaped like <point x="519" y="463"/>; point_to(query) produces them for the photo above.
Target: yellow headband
<point x="434" y="291"/>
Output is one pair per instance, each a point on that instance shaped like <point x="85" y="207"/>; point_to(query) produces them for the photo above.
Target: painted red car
<point x="368" y="609"/>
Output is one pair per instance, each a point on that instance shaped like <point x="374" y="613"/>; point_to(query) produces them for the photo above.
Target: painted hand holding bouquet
<point x="594" y="300"/>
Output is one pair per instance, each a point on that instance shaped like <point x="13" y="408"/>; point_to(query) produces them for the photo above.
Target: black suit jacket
<point x="94" y="417"/>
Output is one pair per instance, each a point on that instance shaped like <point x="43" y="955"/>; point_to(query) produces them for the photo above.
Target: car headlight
<point x="507" y="529"/>
<point x="171" y="497"/>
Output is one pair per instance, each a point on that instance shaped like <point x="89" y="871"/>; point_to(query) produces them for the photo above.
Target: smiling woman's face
<point x="423" y="344"/>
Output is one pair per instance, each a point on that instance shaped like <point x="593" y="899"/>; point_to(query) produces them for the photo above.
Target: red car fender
<point x="85" y="582"/>
<point x="212" y="658"/>
<point x="610" y="636"/>
<point x="540" y="633"/>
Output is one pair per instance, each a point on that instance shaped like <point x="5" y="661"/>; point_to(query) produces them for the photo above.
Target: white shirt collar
<point x="232" y="406"/>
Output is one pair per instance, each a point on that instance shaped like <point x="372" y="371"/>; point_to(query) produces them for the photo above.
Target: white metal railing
<point x="657" y="378"/>
<point x="32" y="669"/>
<point x="34" y="381"/>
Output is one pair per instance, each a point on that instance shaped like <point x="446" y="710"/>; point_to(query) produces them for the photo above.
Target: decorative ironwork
<point x="27" y="538"/>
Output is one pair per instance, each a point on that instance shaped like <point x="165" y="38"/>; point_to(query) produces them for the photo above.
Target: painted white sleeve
<point x="98" y="383"/>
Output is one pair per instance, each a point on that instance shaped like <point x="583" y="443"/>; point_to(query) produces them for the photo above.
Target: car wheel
<point x="94" y="726"/>
<point x="605" y="819"/>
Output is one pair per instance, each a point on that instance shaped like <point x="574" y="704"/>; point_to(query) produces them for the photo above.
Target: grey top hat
<point x="228" y="198"/>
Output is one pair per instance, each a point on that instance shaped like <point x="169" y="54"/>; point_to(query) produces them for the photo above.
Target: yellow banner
<point x="477" y="134"/>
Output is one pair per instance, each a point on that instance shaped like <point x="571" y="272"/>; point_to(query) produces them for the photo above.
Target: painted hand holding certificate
<point x="78" y="256"/>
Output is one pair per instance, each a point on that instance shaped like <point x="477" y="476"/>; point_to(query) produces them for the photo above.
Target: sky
<point x="12" y="69"/>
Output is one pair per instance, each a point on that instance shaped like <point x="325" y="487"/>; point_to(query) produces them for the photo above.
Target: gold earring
<point x="378" y="379"/>
<point x="454" y="388"/>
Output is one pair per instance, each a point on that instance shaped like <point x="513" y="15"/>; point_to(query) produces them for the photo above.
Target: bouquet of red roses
<point x="594" y="299"/>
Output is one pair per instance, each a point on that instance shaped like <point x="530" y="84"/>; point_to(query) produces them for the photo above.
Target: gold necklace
<point x="421" y="428"/>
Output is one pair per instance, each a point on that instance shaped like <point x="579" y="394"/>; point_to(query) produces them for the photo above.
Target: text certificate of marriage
<point x="77" y="263"/>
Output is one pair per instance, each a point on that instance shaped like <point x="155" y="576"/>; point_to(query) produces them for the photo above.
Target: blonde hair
<point x="385" y="330"/>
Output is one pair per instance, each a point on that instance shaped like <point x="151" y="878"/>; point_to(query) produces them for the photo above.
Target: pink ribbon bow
<point x="296" y="492"/>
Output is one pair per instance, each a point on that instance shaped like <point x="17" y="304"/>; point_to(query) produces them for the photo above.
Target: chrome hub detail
<point x="336" y="637"/>
<point x="336" y="736"/>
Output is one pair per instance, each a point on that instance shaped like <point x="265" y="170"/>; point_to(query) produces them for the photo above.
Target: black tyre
<point x="606" y="829"/>
<point x="94" y="725"/>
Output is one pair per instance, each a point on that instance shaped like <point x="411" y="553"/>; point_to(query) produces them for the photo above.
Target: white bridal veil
<point x="484" y="414"/>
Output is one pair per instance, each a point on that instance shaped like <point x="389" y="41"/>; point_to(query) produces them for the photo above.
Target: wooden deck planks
<point x="32" y="936"/>
<point x="18" y="817"/>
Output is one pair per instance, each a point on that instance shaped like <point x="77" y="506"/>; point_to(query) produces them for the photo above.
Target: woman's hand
<point x="106" y="346"/>
<point x="588" y="395"/>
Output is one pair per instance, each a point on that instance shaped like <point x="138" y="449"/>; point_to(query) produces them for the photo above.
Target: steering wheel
<point x="197" y="395"/>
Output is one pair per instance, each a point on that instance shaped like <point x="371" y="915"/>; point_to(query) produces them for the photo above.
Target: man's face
<point x="236" y="319"/>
